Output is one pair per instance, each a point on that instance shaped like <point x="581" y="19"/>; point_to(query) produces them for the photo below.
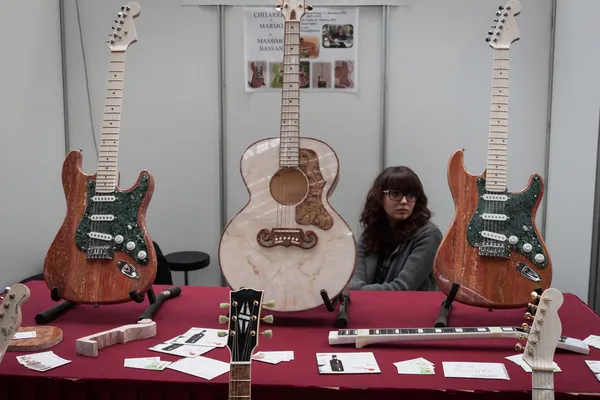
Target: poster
<point x="328" y="58"/>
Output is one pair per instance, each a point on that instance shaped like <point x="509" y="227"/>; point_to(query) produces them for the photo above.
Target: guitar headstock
<point x="545" y="331"/>
<point x="123" y="31"/>
<point x="292" y="10"/>
<point x="10" y="313"/>
<point x="244" y="318"/>
<point x="504" y="30"/>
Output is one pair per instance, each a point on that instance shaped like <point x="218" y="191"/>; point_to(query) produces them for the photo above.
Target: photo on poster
<point x="347" y="363"/>
<point x="338" y="36"/>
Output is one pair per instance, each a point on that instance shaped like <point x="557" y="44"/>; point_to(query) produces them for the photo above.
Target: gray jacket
<point x="411" y="267"/>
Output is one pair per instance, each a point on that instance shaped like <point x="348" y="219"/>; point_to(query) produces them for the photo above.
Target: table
<point x="306" y="333"/>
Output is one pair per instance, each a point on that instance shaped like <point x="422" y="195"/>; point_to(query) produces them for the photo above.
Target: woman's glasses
<point x="397" y="196"/>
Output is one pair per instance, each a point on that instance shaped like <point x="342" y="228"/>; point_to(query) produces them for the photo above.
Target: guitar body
<point x="291" y="252"/>
<point x="109" y="274"/>
<point x="506" y="279"/>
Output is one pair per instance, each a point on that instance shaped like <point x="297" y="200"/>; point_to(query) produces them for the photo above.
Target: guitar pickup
<point x="100" y="236"/>
<point x="101" y="217"/>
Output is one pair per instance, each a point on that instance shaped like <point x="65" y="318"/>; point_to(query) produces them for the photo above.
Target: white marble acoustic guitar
<point x="11" y="314"/>
<point x="288" y="240"/>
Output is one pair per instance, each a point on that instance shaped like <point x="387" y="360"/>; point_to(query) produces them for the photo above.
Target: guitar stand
<point x="341" y="321"/>
<point x="442" y="319"/>
<point x="155" y="303"/>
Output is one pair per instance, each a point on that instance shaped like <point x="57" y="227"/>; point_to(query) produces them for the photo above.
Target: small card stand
<point x="155" y="303"/>
<point x="442" y="319"/>
<point x="341" y="321"/>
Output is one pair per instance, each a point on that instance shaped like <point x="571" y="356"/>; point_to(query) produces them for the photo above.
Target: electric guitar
<point x="493" y="249"/>
<point x="11" y="314"/>
<point x="244" y="320"/>
<point x="288" y="240"/>
<point x="541" y="344"/>
<point x="102" y="253"/>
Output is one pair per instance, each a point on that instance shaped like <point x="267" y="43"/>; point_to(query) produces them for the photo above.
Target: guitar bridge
<point x="287" y="237"/>
<point x="100" y="252"/>
<point x="494" y="250"/>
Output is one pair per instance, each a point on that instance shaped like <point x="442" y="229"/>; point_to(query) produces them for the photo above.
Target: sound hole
<point x="288" y="186"/>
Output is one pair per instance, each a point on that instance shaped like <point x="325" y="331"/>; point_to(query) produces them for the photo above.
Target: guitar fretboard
<point x="412" y="331"/>
<point x="290" y="97"/>
<point x="497" y="157"/>
<point x="106" y="180"/>
<point x="239" y="381"/>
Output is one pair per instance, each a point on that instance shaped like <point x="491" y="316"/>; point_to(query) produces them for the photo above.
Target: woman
<point x="398" y="243"/>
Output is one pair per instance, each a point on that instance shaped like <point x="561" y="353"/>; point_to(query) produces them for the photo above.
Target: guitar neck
<point x="497" y="158"/>
<point x="365" y="337"/>
<point x="239" y="381"/>
<point x="542" y="385"/>
<point x="107" y="175"/>
<point x="289" y="152"/>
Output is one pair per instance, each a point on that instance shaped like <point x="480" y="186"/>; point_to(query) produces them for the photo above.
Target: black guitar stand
<point x="442" y="319"/>
<point x="155" y="303"/>
<point x="341" y="321"/>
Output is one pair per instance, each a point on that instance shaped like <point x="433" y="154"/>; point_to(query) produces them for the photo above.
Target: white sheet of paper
<point x="151" y="363"/>
<point x="42" y="361"/>
<point x="416" y="366"/>
<point x="202" y="337"/>
<point x="201" y="367"/>
<point x="518" y="359"/>
<point x="475" y="370"/>
<point x="595" y="367"/>
<point x="593" y="341"/>
<point x="347" y="363"/>
<point x="181" y="350"/>
<point x="25" y="335"/>
<point x="273" y="357"/>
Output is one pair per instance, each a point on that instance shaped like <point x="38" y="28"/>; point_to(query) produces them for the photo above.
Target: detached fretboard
<point x="420" y="331"/>
<point x="497" y="158"/>
<point x="290" y="97"/>
<point x="107" y="174"/>
<point x="239" y="381"/>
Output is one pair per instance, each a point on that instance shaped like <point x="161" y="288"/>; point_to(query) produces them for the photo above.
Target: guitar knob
<point x="270" y="303"/>
<point x="223" y="319"/>
<point x="130" y="246"/>
<point x="518" y="347"/>
<point x="527" y="247"/>
<point x="268" y="319"/>
<point x="513" y="239"/>
<point x="224" y="305"/>
<point x="267" y="333"/>
<point x="221" y="333"/>
<point x="142" y="255"/>
<point x="539" y="258"/>
<point x="118" y="239"/>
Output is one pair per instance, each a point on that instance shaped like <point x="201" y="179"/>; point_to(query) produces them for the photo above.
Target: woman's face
<point x="398" y="206"/>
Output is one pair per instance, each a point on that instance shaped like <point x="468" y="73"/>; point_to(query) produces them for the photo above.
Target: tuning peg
<point x="278" y="8"/>
<point x="267" y="333"/>
<point x="535" y="296"/>
<point x="224" y="305"/>
<point x="268" y="319"/>
<point x="524" y="326"/>
<point x="221" y="333"/>
<point x="528" y="315"/>
<point x="518" y="347"/>
<point x="533" y="306"/>
<point x="223" y="319"/>
<point x="270" y="303"/>
<point x="309" y="7"/>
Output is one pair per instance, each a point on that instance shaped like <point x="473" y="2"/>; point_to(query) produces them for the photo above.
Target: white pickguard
<point x="292" y="277"/>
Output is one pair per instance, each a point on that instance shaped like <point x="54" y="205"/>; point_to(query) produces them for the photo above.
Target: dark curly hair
<point x="377" y="234"/>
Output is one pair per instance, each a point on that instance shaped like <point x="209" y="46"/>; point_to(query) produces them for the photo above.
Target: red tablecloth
<point x="306" y="333"/>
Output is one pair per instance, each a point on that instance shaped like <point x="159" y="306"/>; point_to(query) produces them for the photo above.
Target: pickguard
<point x="125" y="210"/>
<point x="311" y="211"/>
<point x="519" y="210"/>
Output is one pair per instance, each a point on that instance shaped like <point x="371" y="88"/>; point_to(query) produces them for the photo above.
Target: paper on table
<point x="518" y="359"/>
<point x="347" y="363"/>
<point x="25" y="335"/>
<point x="475" y="370"/>
<point x="151" y="363"/>
<point x="201" y="367"/>
<point x="201" y="337"/>
<point x="273" y="357"/>
<point x="595" y="367"/>
<point x="181" y="349"/>
<point x="42" y="361"/>
<point x="593" y="341"/>
<point x="416" y="366"/>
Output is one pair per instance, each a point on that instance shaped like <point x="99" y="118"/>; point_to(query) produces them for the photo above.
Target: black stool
<point x="186" y="261"/>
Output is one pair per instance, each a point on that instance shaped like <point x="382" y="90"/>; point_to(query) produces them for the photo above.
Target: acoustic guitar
<point x="542" y="343"/>
<point x="11" y="314"/>
<point x="288" y="240"/>
<point x="102" y="253"/>
<point x="245" y="307"/>
<point x="493" y="249"/>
